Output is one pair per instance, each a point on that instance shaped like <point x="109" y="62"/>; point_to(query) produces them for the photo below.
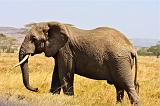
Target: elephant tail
<point x="135" y="78"/>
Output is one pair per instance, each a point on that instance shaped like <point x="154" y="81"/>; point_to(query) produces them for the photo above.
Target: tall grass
<point x="88" y="92"/>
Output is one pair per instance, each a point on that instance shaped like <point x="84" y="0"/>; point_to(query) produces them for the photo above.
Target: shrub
<point x="144" y="52"/>
<point x="155" y="50"/>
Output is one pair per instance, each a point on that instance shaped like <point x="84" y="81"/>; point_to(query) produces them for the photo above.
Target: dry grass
<point x="87" y="92"/>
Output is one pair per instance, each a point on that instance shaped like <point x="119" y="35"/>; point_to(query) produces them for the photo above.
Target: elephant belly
<point x="92" y="69"/>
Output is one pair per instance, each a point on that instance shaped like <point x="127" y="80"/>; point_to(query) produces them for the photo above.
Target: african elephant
<point x="102" y="54"/>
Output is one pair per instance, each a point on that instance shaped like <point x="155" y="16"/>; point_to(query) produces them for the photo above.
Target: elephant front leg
<point x="66" y="76"/>
<point x="67" y="83"/>
<point x="66" y="70"/>
<point x="55" y="85"/>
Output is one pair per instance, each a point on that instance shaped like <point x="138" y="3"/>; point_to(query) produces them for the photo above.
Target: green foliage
<point x="155" y="50"/>
<point x="144" y="52"/>
<point x="151" y="51"/>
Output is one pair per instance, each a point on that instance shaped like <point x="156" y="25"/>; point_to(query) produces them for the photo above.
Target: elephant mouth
<point x="32" y="54"/>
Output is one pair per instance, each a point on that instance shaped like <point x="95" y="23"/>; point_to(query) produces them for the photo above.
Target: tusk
<point x="22" y="61"/>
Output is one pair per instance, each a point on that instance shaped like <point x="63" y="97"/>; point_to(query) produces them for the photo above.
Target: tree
<point x="155" y="50"/>
<point x="144" y="52"/>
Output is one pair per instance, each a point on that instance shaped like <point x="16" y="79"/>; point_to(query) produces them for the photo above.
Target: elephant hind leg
<point x="119" y="94"/>
<point x="134" y="99"/>
<point x="123" y="77"/>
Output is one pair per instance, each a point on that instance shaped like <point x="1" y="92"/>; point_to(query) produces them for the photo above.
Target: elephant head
<point x="47" y="37"/>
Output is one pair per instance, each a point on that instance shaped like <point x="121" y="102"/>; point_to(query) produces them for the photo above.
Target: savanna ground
<point x="87" y="92"/>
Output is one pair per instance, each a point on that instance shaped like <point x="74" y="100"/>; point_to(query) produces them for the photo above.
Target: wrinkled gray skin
<point x="102" y="54"/>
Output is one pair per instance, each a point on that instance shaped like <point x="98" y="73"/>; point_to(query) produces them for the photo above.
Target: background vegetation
<point x="8" y="44"/>
<point x="150" y="51"/>
<point x="87" y="92"/>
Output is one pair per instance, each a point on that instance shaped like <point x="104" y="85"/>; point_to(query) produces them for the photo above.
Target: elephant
<point x="102" y="53"/>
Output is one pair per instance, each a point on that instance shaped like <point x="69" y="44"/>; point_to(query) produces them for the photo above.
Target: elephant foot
<point x="69" y="93"/>
<point x="136" y="103"/>
<point x="55" y="92"/>
<point x="119" y="102"/>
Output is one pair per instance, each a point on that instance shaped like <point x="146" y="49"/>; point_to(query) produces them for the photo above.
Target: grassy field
<point x="87" y="92"/>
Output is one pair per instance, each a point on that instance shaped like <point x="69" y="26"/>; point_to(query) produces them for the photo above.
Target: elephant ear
<point x="63" y="30"/>
<point x="58" y="33"/>
<point x="55" y="27"/>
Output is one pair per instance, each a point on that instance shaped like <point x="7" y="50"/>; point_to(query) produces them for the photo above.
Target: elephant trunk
<point x="25" y="74"/>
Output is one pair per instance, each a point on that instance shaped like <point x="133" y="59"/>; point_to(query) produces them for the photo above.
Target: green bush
<point x="144" y="52"/>
<point x="151" y="51"/>
<point x="155" y="50"/>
